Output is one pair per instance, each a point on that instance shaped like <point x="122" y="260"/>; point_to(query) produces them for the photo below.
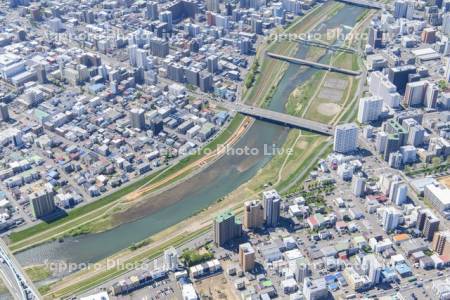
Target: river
<point x="200" y="191"/>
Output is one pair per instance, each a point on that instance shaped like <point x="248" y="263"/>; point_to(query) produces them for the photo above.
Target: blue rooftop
<point x="330" y="278"/>
<point x="402" y="268"/>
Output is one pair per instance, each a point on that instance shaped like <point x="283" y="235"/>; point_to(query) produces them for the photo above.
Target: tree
<point x="436" y="161"/>
<point x="442" y="84"/>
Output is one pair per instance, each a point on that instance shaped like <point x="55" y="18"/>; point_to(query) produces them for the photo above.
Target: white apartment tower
<point x="369" y="109"/>
<point x="171" y="259"/>
<point x="345" y="138"/>
<point x="272" y="201"/>
<point x="391" y="218"/>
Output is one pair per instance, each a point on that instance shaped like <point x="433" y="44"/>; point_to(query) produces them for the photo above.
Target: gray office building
<point x="392" y="145"/>
<point x="152" y="10"/>
<point x="137" y="118"/>
<point x="42" y="202"/>
<point x="226" y="228"/>
<point x="159" y="47"/>
<point x="175" y="72"/>
<point x="192" y="76"/>
<point x="4" y="114"/>
<point x="206" y="82"/>
<point x="213" y="64"/>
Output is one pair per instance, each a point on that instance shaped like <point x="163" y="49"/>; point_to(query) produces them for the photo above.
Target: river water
<point x="200" y="191"/>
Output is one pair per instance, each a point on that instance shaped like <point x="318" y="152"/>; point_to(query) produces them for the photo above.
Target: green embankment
<point x="38" y="272"/>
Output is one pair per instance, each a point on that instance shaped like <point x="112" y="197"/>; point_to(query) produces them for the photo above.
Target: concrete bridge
<point x="279" y="118"/>
<point x="313" y="64"/>
<point x="364" y="3"/>
<point x="326" y="46"/>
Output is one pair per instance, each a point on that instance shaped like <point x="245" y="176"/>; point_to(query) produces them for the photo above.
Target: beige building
<point x="246" y="257"/>
<point x="441" y="243"/>
<point x="253" y="214"/>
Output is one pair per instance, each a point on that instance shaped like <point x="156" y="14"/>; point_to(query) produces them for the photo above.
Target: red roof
<point x="378" y="197"/>
<point x="445" y="258"/>
<point x="313" y="220"/>
<point x="341" y="224"/>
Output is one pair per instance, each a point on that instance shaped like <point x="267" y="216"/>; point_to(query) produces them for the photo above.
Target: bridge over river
<point x="279" y="118"/>
<point x="313" y="64"/>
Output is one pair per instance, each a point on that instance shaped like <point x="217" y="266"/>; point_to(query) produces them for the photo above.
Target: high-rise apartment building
<point x="272" y="202"/>
<point x="137" y="118"/>
<point x="391" y="218"/>
<point x="441" y="243"/>
<point x="369" y="109"/>
<point x="42" y="202"/>
<point x="246" y="257"/>
<point x="226" y="228"/>
<point x="427" y="223"/>
<point x="345" y="138"/>
<point x="253" y="214"/>
<point x="4" y="113"/>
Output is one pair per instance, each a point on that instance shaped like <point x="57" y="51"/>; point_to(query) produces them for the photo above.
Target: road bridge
<point x="13" y="270"/>
<point x="279" y="118"/>
<point x="313" y="64"/>
<point x="364" y="3"/>
<point x="326" y="46"/>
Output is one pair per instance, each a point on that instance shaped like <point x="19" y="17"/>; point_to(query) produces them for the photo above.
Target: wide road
<point x="8" y="280"/>
<point x="17" y="282"/>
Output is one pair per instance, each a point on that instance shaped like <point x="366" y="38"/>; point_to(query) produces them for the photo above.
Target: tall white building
<point x="379" y="85"/>
<point x="141" y="58"/>
<point x="372" y="268"/>
<point x="369" y="109"/>
<point x="170" y="259"/>
<point x="166" y="17"/>
<point x="391" y="218"/>
<point x="398" y="192"/>
<point x="431" y="96"/>
<point x="415" y="93"/>
<point x="132" y="53"/>
<point x="345" y="138"/>
<point x="447" y="69"/>
<point x="380" y="141"/>
<point x="409" y="153"/>
<point x="359" y="186"/>
<point x="315" y="289"/>
<point x="446" y="23"/>
<point x="272" y="201"/>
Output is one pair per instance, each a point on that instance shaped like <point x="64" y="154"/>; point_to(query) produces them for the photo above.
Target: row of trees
<point x="251" y="76"/>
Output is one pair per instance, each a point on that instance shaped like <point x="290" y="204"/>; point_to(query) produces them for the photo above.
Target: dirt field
<point x="216" y="287"/>
<point x="328" y="109"/>
<point x="445" y="181"/>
